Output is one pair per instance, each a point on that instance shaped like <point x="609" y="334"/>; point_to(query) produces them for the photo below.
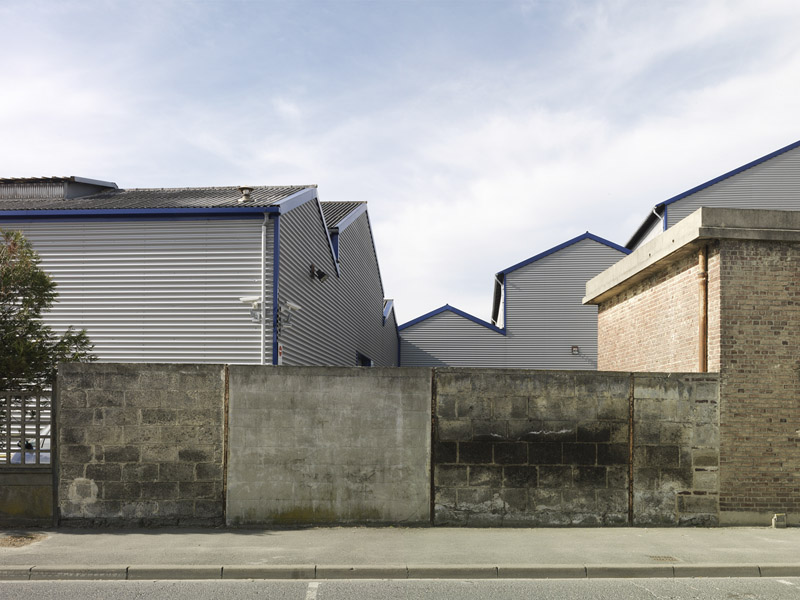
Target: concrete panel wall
<point x="140" y="444"/>
<point x="312" y="445"/>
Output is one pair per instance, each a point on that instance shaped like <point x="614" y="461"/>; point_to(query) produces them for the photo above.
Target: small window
<point x="363" y="361"/>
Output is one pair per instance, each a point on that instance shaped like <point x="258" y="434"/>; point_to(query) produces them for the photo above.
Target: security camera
<point x="291" y="306"/>
<point x="250" y="299"/>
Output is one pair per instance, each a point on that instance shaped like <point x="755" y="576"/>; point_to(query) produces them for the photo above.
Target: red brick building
<point x="720" y="291"/>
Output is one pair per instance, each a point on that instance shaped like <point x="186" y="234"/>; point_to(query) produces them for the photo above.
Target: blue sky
<point x="481" y="132"/>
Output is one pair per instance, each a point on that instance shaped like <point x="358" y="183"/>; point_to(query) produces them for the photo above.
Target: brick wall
<point x="531" y="448"/>
<point x="760" y="384"/>
<point x="653" y="325"/>
<point x="140" y="444"/>
<point x="753" y="332"/>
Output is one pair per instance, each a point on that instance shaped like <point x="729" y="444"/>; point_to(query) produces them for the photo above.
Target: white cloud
<point x="468" y="169"/>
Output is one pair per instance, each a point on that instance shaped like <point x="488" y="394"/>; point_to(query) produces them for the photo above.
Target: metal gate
<point x="26" y="452"/>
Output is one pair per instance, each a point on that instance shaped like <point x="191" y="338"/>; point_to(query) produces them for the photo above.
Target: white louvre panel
<point x="771" y="185"/>
<point x="155" y="291"/>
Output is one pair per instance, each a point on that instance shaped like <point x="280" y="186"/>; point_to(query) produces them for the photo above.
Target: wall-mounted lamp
<point x="318" y="274"/>
<point x="576" y="350"/>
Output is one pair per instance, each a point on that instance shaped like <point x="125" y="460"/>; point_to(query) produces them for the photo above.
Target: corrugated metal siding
<point x="772" y="185"/>
<point x="450" y="340"/>
<point x="343" y="315"/>
<point x="159" y="291"/>
<point x="545" y="317"/>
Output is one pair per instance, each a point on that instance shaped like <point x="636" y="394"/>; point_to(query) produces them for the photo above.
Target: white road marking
<point x="785" y="582"/>
<point x="311" y="592"/>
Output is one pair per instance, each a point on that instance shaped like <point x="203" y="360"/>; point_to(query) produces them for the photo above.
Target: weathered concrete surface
<point x="676" y="449"/>
<point x="532" y="448"/>
<point x="140" y="444"/>
<point x="528" y="448"/>
<point x="328" y="445"/>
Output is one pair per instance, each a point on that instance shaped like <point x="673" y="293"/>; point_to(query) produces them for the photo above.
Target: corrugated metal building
<point x="771" y="182"/>
<point x="264" y="275"/>
<point x="538" y="319"/>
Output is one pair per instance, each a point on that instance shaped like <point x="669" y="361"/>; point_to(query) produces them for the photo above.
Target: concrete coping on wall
<point x="685" y="237"/>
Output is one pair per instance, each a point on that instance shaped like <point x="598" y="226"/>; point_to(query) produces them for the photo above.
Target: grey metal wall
<point x="450" y="340"/>
<point x="343" y="315"/>
<point x="774" y="185"/>
<point x="545" y="317"/>
<point x="155" y="291"/>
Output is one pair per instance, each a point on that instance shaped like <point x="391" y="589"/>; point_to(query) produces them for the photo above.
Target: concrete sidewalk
<point x="398" y="553"/>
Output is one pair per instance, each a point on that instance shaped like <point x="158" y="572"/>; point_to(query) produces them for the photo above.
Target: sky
<point x="480" y="132"/>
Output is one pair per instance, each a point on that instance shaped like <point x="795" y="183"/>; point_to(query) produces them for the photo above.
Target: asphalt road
<point x="563" y="589"/>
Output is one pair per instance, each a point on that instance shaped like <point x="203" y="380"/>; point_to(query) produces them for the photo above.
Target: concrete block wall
<point x="760" y="381"/>
<point x="316" y="445"/>
<point x="144" y="445"/>
<point x="140" y="444"/>
<point x="676" y="449"/>
<point x="538" y="448"/>
<point x="528" y="448"/>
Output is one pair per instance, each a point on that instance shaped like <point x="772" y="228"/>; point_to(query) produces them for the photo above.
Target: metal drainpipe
<point x="702" y="278"/>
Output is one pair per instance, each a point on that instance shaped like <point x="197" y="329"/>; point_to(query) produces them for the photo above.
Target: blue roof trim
<point x="255" y="211"/>
<point x="351" y="217"/>
<point x="575" y="240"/>
<point x="296" y="199"/>
<point x="455" y="311"/>
<point x="749" y="165"/>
